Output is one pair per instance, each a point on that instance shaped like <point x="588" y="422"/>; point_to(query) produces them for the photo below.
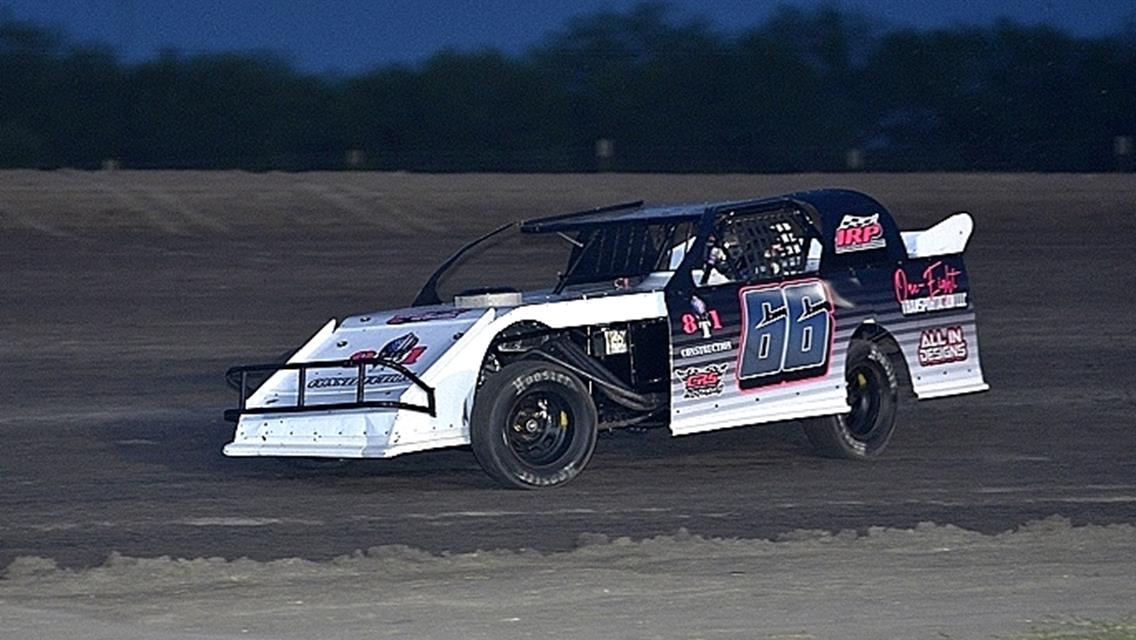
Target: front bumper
<point x="238" y="377"/>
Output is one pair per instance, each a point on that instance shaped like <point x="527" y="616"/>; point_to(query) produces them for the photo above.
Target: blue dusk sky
<point x="349" y="36"/>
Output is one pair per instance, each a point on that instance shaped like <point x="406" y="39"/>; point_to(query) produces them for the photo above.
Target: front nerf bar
<point x="238" y="377"/>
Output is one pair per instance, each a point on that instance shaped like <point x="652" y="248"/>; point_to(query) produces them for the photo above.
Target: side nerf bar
<point x="238" y="378"/>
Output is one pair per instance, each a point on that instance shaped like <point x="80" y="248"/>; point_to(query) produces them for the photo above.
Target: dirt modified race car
<point x="811" y="306"/>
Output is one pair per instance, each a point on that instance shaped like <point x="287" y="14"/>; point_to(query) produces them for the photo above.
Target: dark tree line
<point x="798" y="92"/>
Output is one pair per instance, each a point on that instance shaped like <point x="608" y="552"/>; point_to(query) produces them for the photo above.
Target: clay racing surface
<point x="126" y="295"/>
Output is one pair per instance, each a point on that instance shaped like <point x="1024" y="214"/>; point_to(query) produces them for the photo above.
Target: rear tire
<point x="533" y="425"/>
<point x="863" y="432"/>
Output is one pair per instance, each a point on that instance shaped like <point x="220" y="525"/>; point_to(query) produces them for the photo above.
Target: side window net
<point x="758" y="246"/>
<point x="626" y="250"/>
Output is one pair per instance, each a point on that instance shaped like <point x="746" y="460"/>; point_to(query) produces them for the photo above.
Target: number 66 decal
<point x="786" y="333"/>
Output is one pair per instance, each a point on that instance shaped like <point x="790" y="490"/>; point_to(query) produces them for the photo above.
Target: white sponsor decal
<point x="935" y="289"/>
<point x="942" y="345"/>
<point x="706" y="349"/>
<point x="934" y="303"/>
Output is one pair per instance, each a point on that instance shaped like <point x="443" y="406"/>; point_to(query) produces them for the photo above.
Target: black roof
<point x="830" y="206"/>
<point x="629" y="212"/>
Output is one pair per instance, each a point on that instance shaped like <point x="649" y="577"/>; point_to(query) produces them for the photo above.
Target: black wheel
<point x="864" y="431"/>
<point x="533" y="425"/>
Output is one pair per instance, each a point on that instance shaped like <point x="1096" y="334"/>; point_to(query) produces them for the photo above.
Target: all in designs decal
<point x="936" y="288"/>
<point x="700" y="382"/>
<point x="942" y="345"/>
<point x="787" y="333"/>
<point x="859" y="233"/>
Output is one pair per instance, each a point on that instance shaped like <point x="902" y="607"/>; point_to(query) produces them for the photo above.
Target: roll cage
<point x="737" y="240"/>
<point x="629" y="240"/>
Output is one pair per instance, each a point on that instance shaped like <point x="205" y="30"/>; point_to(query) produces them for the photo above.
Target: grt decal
<point x="786" y="333"/>
<point x="942" y="345"/>
<point x="936" y="288"/>
<point x="859" y="233"/>
<point x="700" y="382"/>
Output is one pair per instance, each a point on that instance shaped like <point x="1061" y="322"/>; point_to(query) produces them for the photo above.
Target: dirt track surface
<point x="126" y="295"/>
<point x="928" y="582"/>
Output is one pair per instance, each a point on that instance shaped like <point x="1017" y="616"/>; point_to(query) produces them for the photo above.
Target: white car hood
<point x="415" y="338"/>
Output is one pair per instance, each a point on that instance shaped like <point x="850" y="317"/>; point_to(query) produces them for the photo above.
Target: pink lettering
<point x="939" y="279"/>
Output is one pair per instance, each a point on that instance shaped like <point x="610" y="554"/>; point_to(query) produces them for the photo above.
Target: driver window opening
<point x="754" y="247"/>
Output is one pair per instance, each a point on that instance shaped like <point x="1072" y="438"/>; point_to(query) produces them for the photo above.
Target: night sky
<point x="349" y="36"/>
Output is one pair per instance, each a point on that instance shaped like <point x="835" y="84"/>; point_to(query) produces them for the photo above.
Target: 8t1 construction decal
<point x="786" y="333"/>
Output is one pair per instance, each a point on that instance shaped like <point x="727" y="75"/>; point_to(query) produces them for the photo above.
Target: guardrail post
<point x="1122" y="149"/>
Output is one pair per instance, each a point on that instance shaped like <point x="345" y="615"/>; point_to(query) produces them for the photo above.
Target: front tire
<point x="533" y="425"/>
<point x="863" y="432"/>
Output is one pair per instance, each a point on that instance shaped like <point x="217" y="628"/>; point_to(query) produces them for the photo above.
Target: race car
<point x="811" y="306"/>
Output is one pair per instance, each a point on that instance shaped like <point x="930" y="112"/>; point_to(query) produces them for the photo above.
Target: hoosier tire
<point x="533" y="425"/>
<point x="863" y="432"/>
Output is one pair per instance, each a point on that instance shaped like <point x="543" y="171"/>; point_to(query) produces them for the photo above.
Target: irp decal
<point x="700" y="382"/>
<point x="942" y="345"/>
<point x="702" y="319"/>
<point x="859" y="233"/>
<point x="935" y="289"/>
<point x="786" y="333"/>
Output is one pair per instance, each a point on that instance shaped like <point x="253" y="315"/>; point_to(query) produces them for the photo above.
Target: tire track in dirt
<point x="30" y="222"/>
<point x="113" y="411"/>
<point x="153" y="218"/>
<point x="399" y="219"/>
<point x="347" y="205"/>
<point x="179" y="207"/>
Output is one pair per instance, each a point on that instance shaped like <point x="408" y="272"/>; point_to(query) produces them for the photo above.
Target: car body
<point x="810" y="306"/>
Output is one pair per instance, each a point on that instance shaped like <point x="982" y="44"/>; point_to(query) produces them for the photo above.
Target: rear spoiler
<point x="945" y="238"/>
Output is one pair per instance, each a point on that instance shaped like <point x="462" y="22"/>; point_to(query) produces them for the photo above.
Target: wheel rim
<point x="864" y="398"/>
<point x="540" y="426"/>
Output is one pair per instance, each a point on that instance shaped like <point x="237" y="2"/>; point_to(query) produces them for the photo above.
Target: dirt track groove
<point x="127" y="294"/>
